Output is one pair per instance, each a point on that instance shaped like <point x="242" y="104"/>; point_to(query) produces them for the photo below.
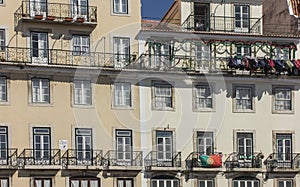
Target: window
<point x="82" y="93"/>
<point x="163" y="96"/>
<point x="125" y="182"/>
<point x="203" y="97"/>
<point x="243" y="98"/>
<point x="84" y="182"/>
<point x="283" y="99"/>
<point x="80" y="7"/>
<point x="242" y="18"/>
<point x="3" y="145"/>
<point x="203" y="56"/>
<point x="39" y="45"/>
<point x="245" y="183"/>
<point x="162" y="55"/>
<point x="205" y="143"/>
<point x="164" y="145"/>
<point x="2" y="37"/>
<point x="206" y="183"/>
<point x="40" y="90"/>
<point x="124" y="144"/>
<point x="120" y="6"/>
<point x="1" y="2"/>
<point x="121" y="52"/>
<point x="83" y="141"/>
<point x="4" y="182"/>
<point x="122" y="94"/>
<point x="81" y="44"/>
<point x="285" y="183"/>
<point x="284" y="149"/>
<point x="245" y="145"/>
<point x="3" y="89"/>
<point x="164" y="183"/>
<point x="42" y="145"/>
<point x="42" y="182"/>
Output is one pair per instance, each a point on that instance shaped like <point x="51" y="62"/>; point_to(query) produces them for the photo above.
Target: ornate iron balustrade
<point x="282" y="161"/>
<point x="9" y="157"/>
<point x="162" y="159"/>
<point x="56" y="12"/>
<point x="222" y="24"/>
<point x="123" y="158"/>
<point x="194" y="160"/>
<point x="237" y="160"/>
<point x="40" y="157"/>
<point x="80" y="157"/>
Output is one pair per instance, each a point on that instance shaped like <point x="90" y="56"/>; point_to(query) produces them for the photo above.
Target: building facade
<point x="92" y="96"/>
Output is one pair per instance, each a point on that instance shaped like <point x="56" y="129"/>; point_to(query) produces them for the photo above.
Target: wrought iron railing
<point x="222" y="24"/>
<point x="237" y="160"/>
<point x="162" y="159"/>
<point x="39" y="157"/>
<point x="202" y="160"/>
<point x="282" y="161"/>
<point x="8" y="157"/>
<point x="56" y="12"/>
<point x="82" y="157"/>
<point x="123" y="158"/>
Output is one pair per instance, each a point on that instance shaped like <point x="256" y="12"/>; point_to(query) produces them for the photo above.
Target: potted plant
<point x="51" y="18"/>
<point x="38" y="16"/>
<point x="68" y="19"/>
<point x="25" y="15"/>
<point x="80" y="19"/>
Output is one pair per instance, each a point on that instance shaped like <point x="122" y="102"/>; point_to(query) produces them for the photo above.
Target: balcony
<point x="283" y="162"/>
<point x="197" y="161"/>
<point x="8" y="158"/>
<point x="163" y="161"/>
<point x="82" y="159"/>
<point x="58" y="57"/>
<point x="40" y="159"/>
<point x="116" y="160"/>
<point x="222" y="24"/>
<point x="56" y="13"/>
<point x="242" y="162"/>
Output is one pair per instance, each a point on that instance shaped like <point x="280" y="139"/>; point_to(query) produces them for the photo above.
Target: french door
<point x="245" y="146"/>
<point x="39" y="47"/>
<point x="124" y="145"/>
<point x="80" y="8"/>
<point x="284" y="149"/>
<point x="38" y="7"/>
<point x="121" y="52"/>
<point x="242" y="20"/>
<point x="84" y="145"/>
<point x="205" y="143"/>
<point x="41" y="145"/>
<point x="164" y="145"/>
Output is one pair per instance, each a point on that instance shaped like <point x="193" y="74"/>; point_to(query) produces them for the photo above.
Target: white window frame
<point x="165" y="181"/>
<point x="84" y="133"/>
<point x="238" y="181"/>
<point x="197" y="97"/>
<point x="206" y="181"/>
<point x="125" y="182"/>
<point x="42" y="132"/>
<point x="249" y="98"/>
<point x="39" y="99"/>
<point x="169" y="136"/>
<point x="81" y="48"/>
<point x="42" y="180"/>
<point x="7" y="182"/>
<point x="2" y="40"/>
<point x="243" y="15"/>
<point x="120" y="97"/>
<point x="244" y="137"/>
<point x="162" y="98"/>
<point x="3" y="89"/>
<point x="80" y="180"/>
<point x="285" y="182"/>
<point x="120" y="7"/>
<point x="277" y="98"/>
<point x="123" y="154"/>
<point x="85" y="93"/>
<point x="203" y="136"/>
<point x="4" y="145"/>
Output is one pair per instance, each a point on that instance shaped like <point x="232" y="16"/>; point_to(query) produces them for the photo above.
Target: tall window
<point x="81" y="44"/>
<point x="42" y="145"/>
<point x="83" y="141"/>
<point x="205" y="143"/>
<point x="124" y="144"/>
<point x="2" y="37"/>
<point x="40" y="90"/>
<point x="203" y="56"/>
<point x="245" y="182"/>
<point x="4" y="182"/>
<point x="285" y="183"/>
<point x="121" y="51"/>
<point x="244" y="98"/>
<point x="283" y="99"/>
<point x="1" y="1"/>
<point x="284" y="149"/>
<point x="125" y="182"/>
<point x="3" y="145"/>
<point x="82" y="93"/>
<point x="163" y="96"/>
<point x="39" y="45"/>
<point x="206" y="183"/>
<point x="242" y="18"/>
<point x="245" y="145"/>
<point x="84" y="182"/>
<point x="203" y="97"/>
<point x="122" y="94"/>
<point x="164" y="145"/>
<point x="41" y="182"/>
<point x="3" y="89"/>
<point x="164" y="183"/>
<point x="120" y="6"/>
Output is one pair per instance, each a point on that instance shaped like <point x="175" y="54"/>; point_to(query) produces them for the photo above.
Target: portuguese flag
<point x="211" y="161"/>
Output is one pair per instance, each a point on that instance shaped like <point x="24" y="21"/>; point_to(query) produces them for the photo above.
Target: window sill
<point x="41" y="104"/>
<point x="204" y="110"/>
<point x="120" y="14"/>
<point x="4" y="103"/>
<point x="244" y="111"/>
<point x="83" y="106"/>
<point x="122" y="108"/>
<point x="163" y="109"/>
<point x="283" y="112"/>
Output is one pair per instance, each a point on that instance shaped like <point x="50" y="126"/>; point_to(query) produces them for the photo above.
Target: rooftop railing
<point x="162" y="159"/>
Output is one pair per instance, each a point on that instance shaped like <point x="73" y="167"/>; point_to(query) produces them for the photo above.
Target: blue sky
<point x="155" y="9"/>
